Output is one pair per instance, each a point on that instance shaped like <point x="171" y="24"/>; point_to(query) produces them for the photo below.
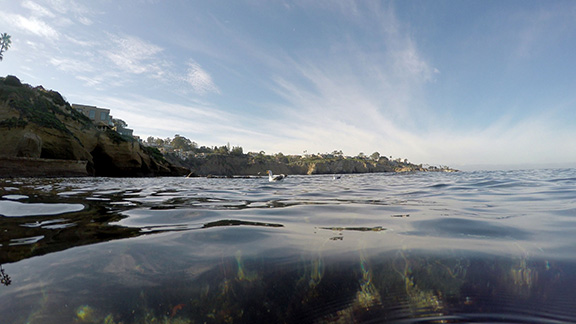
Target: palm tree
<point x="4" y="43"/>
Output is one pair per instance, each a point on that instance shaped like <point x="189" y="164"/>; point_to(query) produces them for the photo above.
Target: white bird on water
<point x="278" y="177"/>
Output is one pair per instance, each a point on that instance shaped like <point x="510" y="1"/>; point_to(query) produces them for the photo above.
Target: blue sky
<point x="457" y="83"/>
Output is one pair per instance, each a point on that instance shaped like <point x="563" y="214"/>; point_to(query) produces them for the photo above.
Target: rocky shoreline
<point x="37" y="167"/>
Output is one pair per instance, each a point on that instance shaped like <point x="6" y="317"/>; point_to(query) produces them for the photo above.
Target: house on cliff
<point x="99" y="116"/>
<point x="103" y="120"/>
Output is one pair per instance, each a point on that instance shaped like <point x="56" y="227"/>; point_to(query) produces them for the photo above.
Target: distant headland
<point x="230" y="161"/>
<point x="45" y="136"/>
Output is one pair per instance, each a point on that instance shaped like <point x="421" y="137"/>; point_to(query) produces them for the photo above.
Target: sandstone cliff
<point x="243" y="165"/>
<point x="39" y="124"/>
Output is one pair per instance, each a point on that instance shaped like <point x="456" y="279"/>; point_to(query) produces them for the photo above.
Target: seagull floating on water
<point x="278" y="177"/>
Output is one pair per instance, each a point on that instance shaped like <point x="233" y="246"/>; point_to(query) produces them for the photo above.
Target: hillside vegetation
<point x="41" y="124"/>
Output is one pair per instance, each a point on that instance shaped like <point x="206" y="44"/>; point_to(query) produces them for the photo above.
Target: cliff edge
<point x="39" y="125"/>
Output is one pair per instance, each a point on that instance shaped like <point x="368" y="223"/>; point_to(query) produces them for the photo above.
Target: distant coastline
<point x="44" y="136"/>
<point x="229" y="165"/>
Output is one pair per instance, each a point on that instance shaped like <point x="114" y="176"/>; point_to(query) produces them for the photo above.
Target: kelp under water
<point x="146" y="286"/>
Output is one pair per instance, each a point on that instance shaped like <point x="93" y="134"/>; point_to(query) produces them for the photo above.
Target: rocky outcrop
<point x="114" y="157"/>
<point x="39" y="124"/>
<point x="29" y="145"/>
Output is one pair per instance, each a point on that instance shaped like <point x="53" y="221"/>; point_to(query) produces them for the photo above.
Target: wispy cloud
<point x="94" y="82"/>
<point x="200" y="81"/>
<point x="355" y="117"/>
<point x="359" y="97"/>
<point x="72" y="9"/>
<point x="45" y="19"/>
<point x="37" y="10"/>
<point x="199" y="121"/>
<point x="32" y="25"/>
<point x="78" y="51"/>
<point x="71" y="65"/>
<point x="410" y="64"/>
<point x="132" y="54"/>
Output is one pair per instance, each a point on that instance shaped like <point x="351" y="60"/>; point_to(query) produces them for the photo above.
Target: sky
<point x="459" y="83"/>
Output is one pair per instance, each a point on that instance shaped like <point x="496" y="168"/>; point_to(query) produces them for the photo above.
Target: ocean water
<point x="480" y="247"/>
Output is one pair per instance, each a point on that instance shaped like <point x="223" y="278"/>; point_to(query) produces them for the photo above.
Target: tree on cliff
<point x="224" y="149"/>
<point x="182" y="143"/>
<point x="237" y="150"/>
<point x="119" y="123"/>
<point x="5" y="43"/>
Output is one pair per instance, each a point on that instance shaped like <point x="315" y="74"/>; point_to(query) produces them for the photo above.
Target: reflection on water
<point x="413" y="248"/>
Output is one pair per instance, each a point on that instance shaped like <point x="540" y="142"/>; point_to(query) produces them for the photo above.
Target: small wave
<point x="569" y="180"/>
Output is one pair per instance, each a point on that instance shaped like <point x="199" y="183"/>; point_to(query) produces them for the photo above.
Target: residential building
<point x="99" y="116"/>
<point x="103" y="120"/>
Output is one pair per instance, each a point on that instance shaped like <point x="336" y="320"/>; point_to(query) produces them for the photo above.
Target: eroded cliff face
<point x="229" y="165"/>
<point x="36" y="123"/>
<point x="128" y="159"/>
<point x="349" y="166"/>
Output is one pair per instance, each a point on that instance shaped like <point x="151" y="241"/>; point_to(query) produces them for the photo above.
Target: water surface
<point x="409" y="248"/>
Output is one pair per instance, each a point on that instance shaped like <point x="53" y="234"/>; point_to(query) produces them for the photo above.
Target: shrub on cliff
<point x="41" y="112"/>
<point x="33" y="105"/>
<point x="13" y="123"/>
<point x="13" y="81"/>
<point x="154" y="153"/>
<point x="56" y="97"/>
<point x="118" y="138"/>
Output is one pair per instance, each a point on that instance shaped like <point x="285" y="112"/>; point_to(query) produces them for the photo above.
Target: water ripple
<point x="406" y="248"/>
